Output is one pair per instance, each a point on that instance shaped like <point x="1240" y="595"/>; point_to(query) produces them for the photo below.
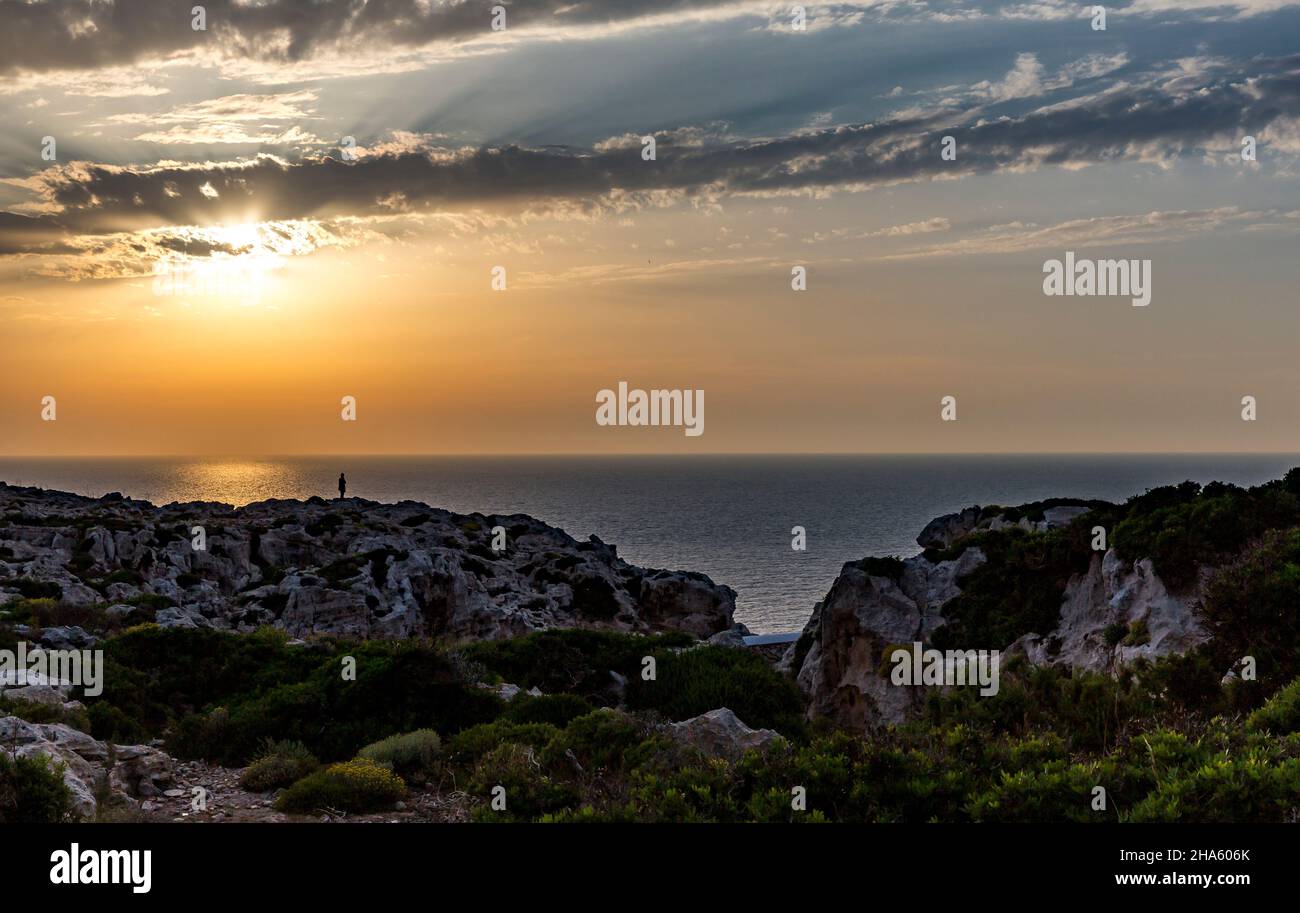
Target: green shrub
<point x="32" y="791"/>
<point x="556" y="709"/>
<point x="467" y="747"/>
<point x="890" y="567"/>
<point x="1018" y="590"/>
<point x="1256" y="786"/>
<point x="1090" y="711"/>
<point x="399" y="687"/>
<point x="38" y="712"/>
<point x="1281" y="714"/>
<point x="570" y="661"/>
<point x="280" y="764"/>
<point x="1053" y="792"/>
<point x="34" y="589"/>
<point x="598" y="739"/>
<point x="696" y="681"/>
<point x="412" y="754"/>
<point x="1182" y="527"/>
<point x="1252" y="608"/>
<point x="356" y="786"/>
<point x="529" y="790"/>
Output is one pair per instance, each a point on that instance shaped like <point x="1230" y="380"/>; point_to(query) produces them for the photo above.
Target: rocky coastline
<point x="531" y="647"/>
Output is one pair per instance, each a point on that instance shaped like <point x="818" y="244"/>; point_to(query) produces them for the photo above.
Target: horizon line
<point x="713" y="453"/>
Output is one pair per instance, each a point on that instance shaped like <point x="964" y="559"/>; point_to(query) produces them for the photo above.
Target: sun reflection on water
<point x="240" y="481"/>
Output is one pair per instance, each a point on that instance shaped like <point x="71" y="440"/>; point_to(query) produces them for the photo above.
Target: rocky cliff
<point x="348" y="567"/>
<point x="1110" y="615"/>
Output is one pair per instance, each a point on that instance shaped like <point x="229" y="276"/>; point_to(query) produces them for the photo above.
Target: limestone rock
<point x="720" y="733"/>
<point x="349" y="567"/>
<point x="1110" y="616"/>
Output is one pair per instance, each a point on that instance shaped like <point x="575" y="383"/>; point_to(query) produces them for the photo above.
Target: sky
<point x="210" y="236"/>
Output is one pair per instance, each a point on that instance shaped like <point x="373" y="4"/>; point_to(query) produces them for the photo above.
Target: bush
<point x="37" y="712"/>
<point x="529" y="790"/>
<point x="1055" y="791"/>
<point x="570" y="661"/>
<point x="706" y="678"/>
<point x="310" y="702"/>
<point x="1018" y="590"/>
<point x="32" y="791"/>
<point x="411" y="754"/>
<point x="35" y="589"/>
<point x="599" y="739"/>
<point x="890" y="567"/>
<point x="280" y="764"/>
<point x="466" y="748"/>
<point x="556" y="709"/>
<point x="1256" y="786"/>
<point x="1281" y="715"/>
<point x="1252" y="608"/>
<point x="356" y="786"/>
<point x="1182" y="527"/>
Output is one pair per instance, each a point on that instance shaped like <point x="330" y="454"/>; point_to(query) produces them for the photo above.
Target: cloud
<point x="261" y="246"/>
<point x="1141" y="228"/>
<point x="1153" y="124"/>
<point x="74" y="35"/>
<point x="925" y="227"/>
<point x="218" y="133"/>
<point x="111" y="82"/>
<point x="1028" y="78"/>
<point x="244" y="107"/>
<point x="227" y="120"/>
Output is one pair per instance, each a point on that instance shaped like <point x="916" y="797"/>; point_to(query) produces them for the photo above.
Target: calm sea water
<point x="729" y="517"/>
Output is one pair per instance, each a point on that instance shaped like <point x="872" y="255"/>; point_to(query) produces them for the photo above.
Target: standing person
<point x="343" y="486"/>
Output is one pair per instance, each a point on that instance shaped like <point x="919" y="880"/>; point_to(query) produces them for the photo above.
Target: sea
<point x="730" y="517"/>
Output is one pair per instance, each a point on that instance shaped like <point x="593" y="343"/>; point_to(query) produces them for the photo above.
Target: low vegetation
<point x="32" y="791"/>
<point x="356" y="786"/>
<point x="355" y="727"/>
<point x="279" y="764"/>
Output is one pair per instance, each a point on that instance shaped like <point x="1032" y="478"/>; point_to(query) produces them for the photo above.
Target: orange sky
<point x="371" y="277"/>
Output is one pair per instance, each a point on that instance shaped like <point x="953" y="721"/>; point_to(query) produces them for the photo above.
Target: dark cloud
<point x="74" y="34"/>
<point x="30" y="234"/>
<point x="1129" y="124"/>
<point x="44" y="35"/>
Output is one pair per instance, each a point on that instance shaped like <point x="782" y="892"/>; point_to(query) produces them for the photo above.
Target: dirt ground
<point x="228" y="802"/>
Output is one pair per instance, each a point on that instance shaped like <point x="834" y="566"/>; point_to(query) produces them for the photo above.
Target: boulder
<point x="943" y="532"/>
<point x="68" y="637"/>
<point x="734" y="637"/>
<point x="720" y="733"/>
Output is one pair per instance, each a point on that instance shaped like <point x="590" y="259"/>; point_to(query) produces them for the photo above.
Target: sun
<point x="236" y="266"/>
<point x="246" y="237"/>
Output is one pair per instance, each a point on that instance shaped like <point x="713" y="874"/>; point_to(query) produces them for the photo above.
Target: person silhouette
<point x="343" y="486"/>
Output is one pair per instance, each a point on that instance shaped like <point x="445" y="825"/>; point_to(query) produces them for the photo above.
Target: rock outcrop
<point x="1111" y="615"/>
<point x="843" y="671"/>
<point x="92" y="769"/>
<point x="345" y="567"/>
<point x="946" y="531"/>
<point x="721" y="734"/>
